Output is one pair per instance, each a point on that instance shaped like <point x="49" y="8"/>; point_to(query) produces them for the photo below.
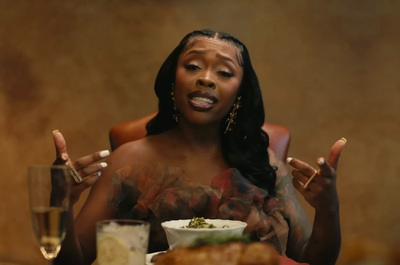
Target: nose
<point x="205" y="82"/>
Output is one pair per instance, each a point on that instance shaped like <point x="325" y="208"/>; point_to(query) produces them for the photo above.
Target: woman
<point x="207" y="136"/>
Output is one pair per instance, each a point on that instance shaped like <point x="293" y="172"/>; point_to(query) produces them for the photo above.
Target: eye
<point x="192" y="67"/>
<point x="226" y="74"/>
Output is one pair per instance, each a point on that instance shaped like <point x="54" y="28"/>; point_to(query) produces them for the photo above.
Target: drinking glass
<point x="48" y="188"/>
<point x="122" y="242"/>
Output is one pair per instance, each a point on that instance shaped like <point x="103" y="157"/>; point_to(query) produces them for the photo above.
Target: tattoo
<point x="299" y="223"/>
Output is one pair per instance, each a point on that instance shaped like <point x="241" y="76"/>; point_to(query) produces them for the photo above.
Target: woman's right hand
<point x="88" y="167"/>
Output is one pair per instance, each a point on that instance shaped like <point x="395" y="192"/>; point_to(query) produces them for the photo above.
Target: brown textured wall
<point x="327" y="68"/>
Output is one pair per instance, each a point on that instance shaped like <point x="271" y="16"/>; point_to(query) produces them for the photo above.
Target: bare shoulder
<point x="130" y="152"/>
<point x="145" y="150"/>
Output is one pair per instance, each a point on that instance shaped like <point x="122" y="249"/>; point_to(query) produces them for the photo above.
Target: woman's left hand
<point x="319" y="186"/>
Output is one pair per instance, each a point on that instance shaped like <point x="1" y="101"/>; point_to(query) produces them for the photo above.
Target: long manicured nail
<point x="344" y="139"/>
<point x="103" y="164"/>
<point x="289" y="159"/>
<point x="104" y="153"/>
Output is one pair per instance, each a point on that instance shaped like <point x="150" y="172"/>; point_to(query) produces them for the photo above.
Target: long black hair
<point x="246" y="146"/>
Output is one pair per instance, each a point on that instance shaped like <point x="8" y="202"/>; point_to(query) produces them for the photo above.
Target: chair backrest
<point x="279" y="136"/>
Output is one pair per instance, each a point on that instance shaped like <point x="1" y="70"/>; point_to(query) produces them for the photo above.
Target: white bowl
<point x="178" y="235"/>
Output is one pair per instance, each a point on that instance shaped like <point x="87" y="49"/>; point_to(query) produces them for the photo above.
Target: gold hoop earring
<point x="230" y="121"/>
<point x="175" y="114"/>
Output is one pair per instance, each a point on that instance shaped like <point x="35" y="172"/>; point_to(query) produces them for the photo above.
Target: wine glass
<point x="48" y="188"/>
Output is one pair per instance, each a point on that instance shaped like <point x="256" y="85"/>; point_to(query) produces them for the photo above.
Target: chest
<point x="199" y="166"/>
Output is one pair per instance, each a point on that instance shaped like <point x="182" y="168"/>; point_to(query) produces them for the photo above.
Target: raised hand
<point x="319" y="186"/>
<point x="87" y="169"/>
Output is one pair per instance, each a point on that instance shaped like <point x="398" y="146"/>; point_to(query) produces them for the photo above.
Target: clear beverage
<point x="50" y="225"/>
<point x="49" y="189"/>
<point x="122" y="242"/>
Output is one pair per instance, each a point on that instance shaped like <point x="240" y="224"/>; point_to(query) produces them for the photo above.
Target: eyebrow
<point x="218" y="55"/>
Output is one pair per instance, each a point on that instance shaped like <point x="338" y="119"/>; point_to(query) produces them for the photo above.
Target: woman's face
<point x="208" y="77"/>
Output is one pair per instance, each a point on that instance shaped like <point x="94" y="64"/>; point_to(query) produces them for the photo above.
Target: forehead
<point x="218" y="46"/>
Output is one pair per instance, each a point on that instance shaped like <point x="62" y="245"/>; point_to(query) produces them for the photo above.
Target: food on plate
<point x="199" y="222"/>
<point x="178" y="234"/>
<point x="233" y="253"/>
<point x="211" y="240"/>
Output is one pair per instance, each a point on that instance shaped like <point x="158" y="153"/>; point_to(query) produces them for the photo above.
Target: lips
<point x="202" y="101"/>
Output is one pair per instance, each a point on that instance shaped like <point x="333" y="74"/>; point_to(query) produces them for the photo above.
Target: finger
<point x="299" y="176"/>
<point x="301" y="166"/>
<point x="303" y="185"/>
<point x="299" y="179"/>
<point x="298" y="185"/>
<point x="335" y="152"/>
<point x="90" y="159"/>
<point x="324" y="168"/>
<point x="59" y="142"/>
<point x="310" y="179"/>
<point x="89" y="181"/>
<point x="92" y="169"/>
<point x="61" y="147"/>
<point x="89" y="171"/>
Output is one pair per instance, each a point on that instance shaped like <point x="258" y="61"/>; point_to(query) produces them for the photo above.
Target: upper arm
<point x="299" y="223"/>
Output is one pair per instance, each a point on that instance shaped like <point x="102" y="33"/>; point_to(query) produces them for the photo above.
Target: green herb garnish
<point x="199" y="222"/>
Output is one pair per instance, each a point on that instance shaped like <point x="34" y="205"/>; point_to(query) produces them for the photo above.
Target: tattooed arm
<point x="318" y="188"/>
<point x="299" y="224"/>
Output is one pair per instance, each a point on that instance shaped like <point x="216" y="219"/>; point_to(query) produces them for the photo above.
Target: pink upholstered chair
<point x="279" y="136"/>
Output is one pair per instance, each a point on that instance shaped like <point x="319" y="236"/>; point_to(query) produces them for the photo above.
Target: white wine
<point x="50" y="224"/>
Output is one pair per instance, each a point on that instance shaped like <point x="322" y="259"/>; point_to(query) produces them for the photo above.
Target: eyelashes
<point x="194" y="67"/>
<point x="226" y="74"/>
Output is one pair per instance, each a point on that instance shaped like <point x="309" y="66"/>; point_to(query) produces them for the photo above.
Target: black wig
<point x="246" y="146"/>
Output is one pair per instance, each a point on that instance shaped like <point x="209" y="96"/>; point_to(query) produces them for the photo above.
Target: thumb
<point x="61" y="148"/>
<point x="335" y="152"/>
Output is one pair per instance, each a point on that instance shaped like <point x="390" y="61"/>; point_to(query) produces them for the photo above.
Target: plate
<point x="150" y="255"/>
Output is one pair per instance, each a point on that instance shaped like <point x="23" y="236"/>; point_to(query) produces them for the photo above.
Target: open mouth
<point x="202" y="101"/>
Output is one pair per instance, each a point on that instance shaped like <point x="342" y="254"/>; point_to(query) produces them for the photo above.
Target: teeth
<point x="202" y="100"/>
